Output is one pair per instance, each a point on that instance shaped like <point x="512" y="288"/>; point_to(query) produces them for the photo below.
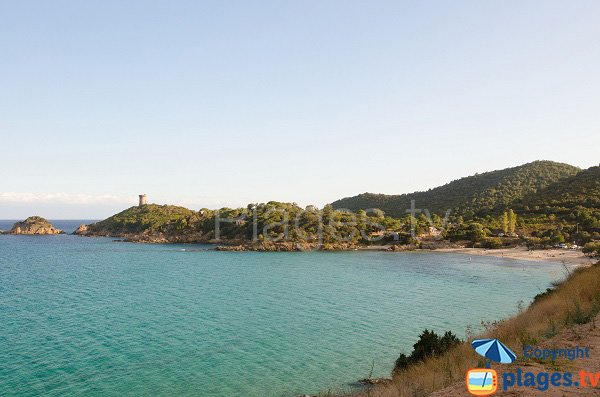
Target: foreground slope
<point x="565" y="316"/>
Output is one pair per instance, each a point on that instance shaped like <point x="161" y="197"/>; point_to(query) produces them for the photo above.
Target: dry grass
<point x="575" y="301"/>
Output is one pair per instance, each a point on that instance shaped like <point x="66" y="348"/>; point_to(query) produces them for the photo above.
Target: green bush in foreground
<point x="429" y="344"/>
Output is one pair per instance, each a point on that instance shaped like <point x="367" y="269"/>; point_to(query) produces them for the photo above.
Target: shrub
<point x="429" y="344"/>
<point x="492" y="243"/>
<point x="592" y="249"/>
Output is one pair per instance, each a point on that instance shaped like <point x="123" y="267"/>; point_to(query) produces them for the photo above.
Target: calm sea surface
<point x="89" y="316"/>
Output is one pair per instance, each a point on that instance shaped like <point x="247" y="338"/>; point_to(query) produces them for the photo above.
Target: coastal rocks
<point x="286" y="246"/>
<point x="149" y="237"/>
<point x="374" y="381"/>
<point x="233" y="248"/>
<point x="34" y="225"/>
<point x="164" y="238"/>
<point x="81" y="230"/>
<point x="404" y="247"/>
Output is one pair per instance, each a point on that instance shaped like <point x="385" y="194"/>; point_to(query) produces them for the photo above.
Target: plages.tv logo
<point x="484" y="381"/>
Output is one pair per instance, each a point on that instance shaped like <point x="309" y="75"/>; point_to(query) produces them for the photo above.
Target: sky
<point x="223" y="103"/>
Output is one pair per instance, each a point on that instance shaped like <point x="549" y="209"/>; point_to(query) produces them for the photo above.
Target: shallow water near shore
<point x="88" y="316"/>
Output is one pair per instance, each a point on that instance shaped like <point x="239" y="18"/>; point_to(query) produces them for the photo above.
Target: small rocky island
<point x="34" y="225"/>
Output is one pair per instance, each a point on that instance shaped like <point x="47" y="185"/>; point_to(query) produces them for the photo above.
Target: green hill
<point x="478" y="194"/>
<point x="575" y="200"/>
<point x="150" y="218"/>
<point x="579" y="190"/>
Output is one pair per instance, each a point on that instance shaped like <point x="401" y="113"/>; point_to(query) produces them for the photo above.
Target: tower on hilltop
<point x="143" y="200"/>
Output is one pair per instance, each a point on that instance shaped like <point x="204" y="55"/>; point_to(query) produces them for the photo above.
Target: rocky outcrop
<point x="82" y="230"/>
<point x="403" y="247"/>
<point x="34" y="225"/>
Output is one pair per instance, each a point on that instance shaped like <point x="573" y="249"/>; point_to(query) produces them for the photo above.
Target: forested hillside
<point x="579" y="190"/>
<point x="564" y="212"/>
<point x="475" y="195"/>
<point x="574" y="200"/>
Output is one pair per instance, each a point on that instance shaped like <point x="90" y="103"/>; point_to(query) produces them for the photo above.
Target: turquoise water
<point x="89" y="316"/>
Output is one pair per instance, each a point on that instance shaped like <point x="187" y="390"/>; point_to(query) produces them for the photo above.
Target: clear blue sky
<point x="228" y="102"/>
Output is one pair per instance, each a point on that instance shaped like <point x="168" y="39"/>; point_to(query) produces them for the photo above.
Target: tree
<point x="582" y="237"/>
<point x="505" y="223"/>
<point x="592" y="249"/>
<point x="512" y="221"/>
<point x="327" y="213"/>
<point x="557" y="238"/>
<point x="377" y="213"/>
<point x="475" y="232"/>
<point x="429" y="344"/>
<point x="437" y="221"/>
<point x="448" y="341"/>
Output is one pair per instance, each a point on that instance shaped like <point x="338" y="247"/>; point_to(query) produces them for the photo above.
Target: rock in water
<point x="82" y="230"/>
<point x="34" y="225"/>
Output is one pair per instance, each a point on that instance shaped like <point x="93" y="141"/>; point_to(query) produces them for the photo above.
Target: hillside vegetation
<point x="149" y="218"/>
<point x="566" y="197"/>
<point x="540" y="204"/>
<point x="474" y="195"/>
<point x="275" y="221"/>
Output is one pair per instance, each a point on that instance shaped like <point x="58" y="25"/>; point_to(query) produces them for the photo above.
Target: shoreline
<point x="557" y="255"/>
<point x="572" y="258"/>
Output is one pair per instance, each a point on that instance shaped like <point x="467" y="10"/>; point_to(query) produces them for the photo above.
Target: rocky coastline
<point x="233" y="245"/>
<point x="148" y="238"/>
<point x="287" y="246"/>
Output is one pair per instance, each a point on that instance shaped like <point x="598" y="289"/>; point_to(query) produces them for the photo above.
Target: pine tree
<point x="505" y="223"/>
<point x="512" y="221"/>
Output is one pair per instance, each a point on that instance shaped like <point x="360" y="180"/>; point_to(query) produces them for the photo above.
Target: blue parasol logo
<point x="484" y="382"/>
<point x="494" y="350"/>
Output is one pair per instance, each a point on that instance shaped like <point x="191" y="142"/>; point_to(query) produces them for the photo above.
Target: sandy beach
<point x="566" y="256"/>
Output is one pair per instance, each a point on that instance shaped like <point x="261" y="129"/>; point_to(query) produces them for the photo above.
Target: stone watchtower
<point x="143" y="200"/>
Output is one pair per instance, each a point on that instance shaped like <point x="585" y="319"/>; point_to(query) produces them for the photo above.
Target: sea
<point x="84" y="316"/>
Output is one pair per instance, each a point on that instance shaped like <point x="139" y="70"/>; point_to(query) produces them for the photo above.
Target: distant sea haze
<point x="89" y="316"/>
